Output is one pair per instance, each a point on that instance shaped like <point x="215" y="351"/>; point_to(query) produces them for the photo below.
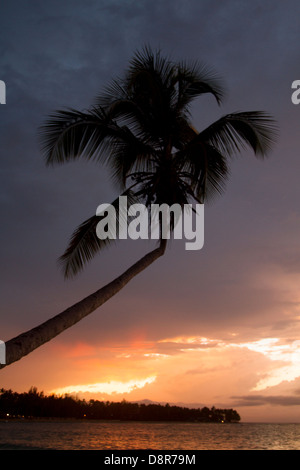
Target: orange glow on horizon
<point x="110" y="387"/>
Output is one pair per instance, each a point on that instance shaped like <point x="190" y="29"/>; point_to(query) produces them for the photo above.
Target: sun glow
<point x="110" y="388"/>
<point x="188" y="340"/>
<point x="271" y="361"/>
<point x="284" y="353"/>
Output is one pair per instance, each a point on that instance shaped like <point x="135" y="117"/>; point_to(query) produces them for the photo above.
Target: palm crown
<point x="140" y="126"/>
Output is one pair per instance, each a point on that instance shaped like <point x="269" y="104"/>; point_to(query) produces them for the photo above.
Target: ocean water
<point x="97" y="435"/>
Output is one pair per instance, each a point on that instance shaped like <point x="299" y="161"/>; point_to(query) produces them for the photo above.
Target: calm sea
<point x="86" y="435"/>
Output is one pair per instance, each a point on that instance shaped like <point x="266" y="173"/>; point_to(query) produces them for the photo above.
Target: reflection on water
<point x="99" y="435"/>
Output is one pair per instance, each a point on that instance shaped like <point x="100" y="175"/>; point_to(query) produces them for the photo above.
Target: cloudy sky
<point x="219" y="326"/>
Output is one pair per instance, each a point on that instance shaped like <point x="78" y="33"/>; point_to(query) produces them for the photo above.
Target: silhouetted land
<point x="34" y="404"/>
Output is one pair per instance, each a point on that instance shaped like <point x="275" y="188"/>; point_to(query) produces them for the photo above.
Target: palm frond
<point x="150" y="65"/>
<point x="68" y="134"/>
<point x="83" y="246"/>
<point x="194" y="80"/>
<point x="234" y="132"/>
<point x="205" y="168"/>
<point x="84" y="243"/>
<point x="130" y="155"/>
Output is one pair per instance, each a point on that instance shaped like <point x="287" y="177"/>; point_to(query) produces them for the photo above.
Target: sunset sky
<point x="219" y="326"/>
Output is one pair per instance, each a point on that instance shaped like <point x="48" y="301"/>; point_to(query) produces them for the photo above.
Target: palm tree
<point x="140" y="127"/>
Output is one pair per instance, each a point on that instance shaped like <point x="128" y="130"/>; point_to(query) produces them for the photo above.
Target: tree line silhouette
<point x="34" y="404"/>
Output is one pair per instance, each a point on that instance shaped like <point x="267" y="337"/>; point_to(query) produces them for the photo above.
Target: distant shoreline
<point x="36" y="405"/>
<point x="99" y="420"/>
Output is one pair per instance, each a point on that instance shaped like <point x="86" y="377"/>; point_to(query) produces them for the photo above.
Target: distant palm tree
<point x="140" y="127"/>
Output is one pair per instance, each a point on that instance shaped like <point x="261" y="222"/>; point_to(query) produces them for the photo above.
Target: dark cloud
<point x="260" y="400"/>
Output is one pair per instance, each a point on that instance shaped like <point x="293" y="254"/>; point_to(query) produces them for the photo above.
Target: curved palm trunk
<point x="27" y="342"/>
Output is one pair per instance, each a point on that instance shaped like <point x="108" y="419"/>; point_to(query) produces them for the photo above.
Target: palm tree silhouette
<point x="140" y="126"/>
